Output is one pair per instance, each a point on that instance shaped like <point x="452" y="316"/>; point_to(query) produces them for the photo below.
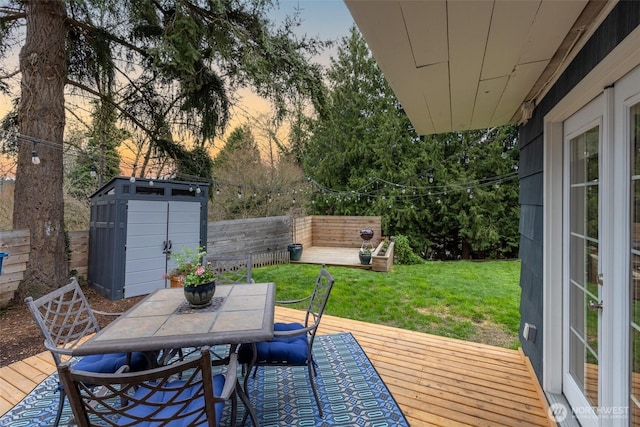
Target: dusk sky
<point x="326" y="19"/>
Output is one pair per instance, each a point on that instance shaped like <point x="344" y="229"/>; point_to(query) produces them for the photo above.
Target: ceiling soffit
<point x="459" y="65"/>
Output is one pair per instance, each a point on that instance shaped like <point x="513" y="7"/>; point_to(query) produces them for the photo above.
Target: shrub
<point x="403" y="253"/>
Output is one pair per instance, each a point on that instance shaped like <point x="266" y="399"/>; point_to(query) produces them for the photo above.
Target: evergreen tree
<point x="172" y="65"/>
<point x="452" y="195"/>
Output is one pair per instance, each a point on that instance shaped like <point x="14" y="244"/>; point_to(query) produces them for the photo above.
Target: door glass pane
<point x="583" y="253"/>
<point x="634" y="288"/>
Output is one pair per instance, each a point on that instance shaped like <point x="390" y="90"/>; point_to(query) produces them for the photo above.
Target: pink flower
<point x="200" y="271"/>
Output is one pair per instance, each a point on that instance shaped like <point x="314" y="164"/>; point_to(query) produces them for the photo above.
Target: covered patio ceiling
<point x="461" y="65"/>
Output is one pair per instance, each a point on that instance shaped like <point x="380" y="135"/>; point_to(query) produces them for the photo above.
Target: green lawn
<point x="474" y="301"/>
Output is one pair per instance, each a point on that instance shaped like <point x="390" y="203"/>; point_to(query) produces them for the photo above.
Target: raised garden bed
<point x="382" y="258"/>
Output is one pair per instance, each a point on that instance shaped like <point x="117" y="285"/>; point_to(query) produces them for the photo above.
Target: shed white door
<point x="150" y="226"/>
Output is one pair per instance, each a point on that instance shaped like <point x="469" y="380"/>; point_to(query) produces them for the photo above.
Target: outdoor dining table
<point x="238" y="314"/>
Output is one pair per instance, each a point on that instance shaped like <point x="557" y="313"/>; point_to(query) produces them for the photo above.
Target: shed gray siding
<point x="623" y="19"/>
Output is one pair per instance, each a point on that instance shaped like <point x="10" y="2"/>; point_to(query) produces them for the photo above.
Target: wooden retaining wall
<point x="344" y="231"/>
<point x="382" y="262"/>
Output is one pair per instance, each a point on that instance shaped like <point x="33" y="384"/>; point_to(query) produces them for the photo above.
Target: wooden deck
<point x="343" y="257"/>
<point x="436" y="381"/>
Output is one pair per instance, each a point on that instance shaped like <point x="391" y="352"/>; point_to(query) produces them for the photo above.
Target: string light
<point x="34" y="154"/>
<point x="34" y="158"/>
<point x="374" y="189"/>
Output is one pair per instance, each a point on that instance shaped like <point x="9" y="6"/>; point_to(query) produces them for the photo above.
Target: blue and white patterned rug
<point x="350" y="388"/>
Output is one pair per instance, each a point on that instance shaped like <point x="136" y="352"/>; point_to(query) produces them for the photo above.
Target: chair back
<point x="64" y="317"/>
<point x="318" y="301"/>
<point x="182" y="392"/>
<point x="230" y="270"/>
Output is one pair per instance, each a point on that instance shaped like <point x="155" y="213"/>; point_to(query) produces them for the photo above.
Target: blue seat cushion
<point x="292" y="350"/>
<point x="111" y="362"/>
<point x="169" y="411"/>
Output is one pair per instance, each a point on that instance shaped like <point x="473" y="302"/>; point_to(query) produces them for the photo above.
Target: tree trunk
<point x="466" y="249"/>
<point x="39" y="203"/>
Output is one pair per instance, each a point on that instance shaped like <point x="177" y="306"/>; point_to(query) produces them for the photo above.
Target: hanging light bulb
<point x="93" y="172"/>
<point x="239" y="193"/>
<point x="198" y="190"/>
<point x="34" y="158"/>
<point x="217" y="191"/>
<point x="191" y="189"/>
<point x="150" y="183"/>
<point x="132" y="179"/>
<point x="431" y="179"/>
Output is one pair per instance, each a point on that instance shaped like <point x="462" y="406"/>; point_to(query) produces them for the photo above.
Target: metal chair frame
<point x="65" y="319"/>
<point x="317" y="303"/>
<point x="230" y="269"/>
<point x="157" y="396"/>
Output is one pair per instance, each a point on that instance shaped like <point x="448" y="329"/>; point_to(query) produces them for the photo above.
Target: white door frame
<point x="619" y="62"/>
<point x="591" y="116"/>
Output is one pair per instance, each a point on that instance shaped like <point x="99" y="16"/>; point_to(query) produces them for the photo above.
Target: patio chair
<point x="292" y="344"/>
<point x="65" y="319"/>
<point x="185" y="393"/>
<point x="230" y="269"/>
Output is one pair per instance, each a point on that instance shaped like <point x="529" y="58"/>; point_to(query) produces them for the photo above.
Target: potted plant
<point x="365" y="255"/>
<point x="199" y="286"/>
<point x="365" y="250"/>
<point x="295" y="249"/>
<point x="185" y="262"/>
<point x="189" y="273"/>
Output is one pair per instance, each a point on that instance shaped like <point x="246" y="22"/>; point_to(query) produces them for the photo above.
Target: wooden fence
<point x="265" y="238"/>
<point x="341" y="231"/>
<point x="16" y="243"/>
<point x="269" y="235"/>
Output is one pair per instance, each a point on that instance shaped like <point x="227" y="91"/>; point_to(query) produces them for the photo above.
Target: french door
<point x="582" y="293"/>
<point x="628" y="91"/>
<point x="601" y="306"/>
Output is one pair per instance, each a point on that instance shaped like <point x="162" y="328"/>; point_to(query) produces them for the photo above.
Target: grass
<point x="473" y="301"/>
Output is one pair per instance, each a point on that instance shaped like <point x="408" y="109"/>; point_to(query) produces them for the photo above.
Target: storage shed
<point x="135" y="224"/>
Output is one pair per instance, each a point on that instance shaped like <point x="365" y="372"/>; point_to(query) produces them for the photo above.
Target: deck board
<point x="343" y="257"/>
<point x="436" y="381"/>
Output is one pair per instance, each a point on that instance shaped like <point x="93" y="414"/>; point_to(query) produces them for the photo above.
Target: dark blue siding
<point x="623" y="19"/>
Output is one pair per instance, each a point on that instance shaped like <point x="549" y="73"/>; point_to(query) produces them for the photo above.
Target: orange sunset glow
<point x="326" y="19"/>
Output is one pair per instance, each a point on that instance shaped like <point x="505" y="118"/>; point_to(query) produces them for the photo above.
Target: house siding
<point x="623" y="19"/>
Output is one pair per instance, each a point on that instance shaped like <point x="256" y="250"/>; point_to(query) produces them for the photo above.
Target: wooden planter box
<point x="382" y="263"/>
